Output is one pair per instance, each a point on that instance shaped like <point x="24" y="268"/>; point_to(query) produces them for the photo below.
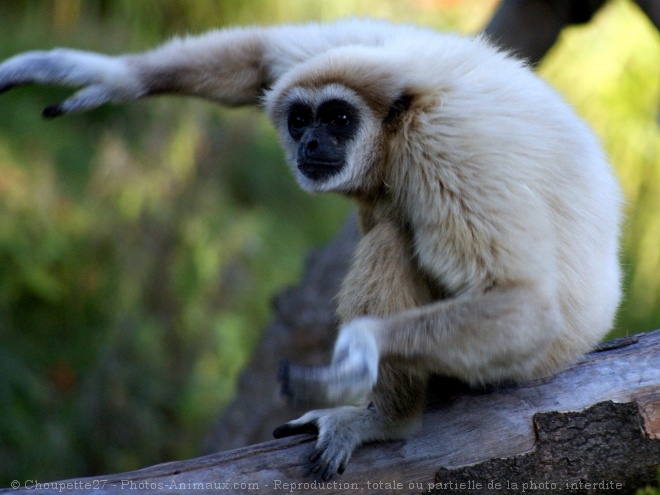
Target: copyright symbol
<point x="15" y="484"/>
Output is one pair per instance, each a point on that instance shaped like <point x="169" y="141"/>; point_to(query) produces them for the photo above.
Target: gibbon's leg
<point x="395" y="413"/>
<point x="382" y="280"/>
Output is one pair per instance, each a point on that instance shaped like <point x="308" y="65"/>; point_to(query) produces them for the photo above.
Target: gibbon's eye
<point x="339" y="120"/>
<point x="300" y="117"/>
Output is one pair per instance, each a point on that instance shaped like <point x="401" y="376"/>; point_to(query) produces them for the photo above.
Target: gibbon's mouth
<point x="319" y="170"/>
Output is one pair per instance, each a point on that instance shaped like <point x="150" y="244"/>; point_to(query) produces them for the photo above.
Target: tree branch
<point x="590" y="429"/>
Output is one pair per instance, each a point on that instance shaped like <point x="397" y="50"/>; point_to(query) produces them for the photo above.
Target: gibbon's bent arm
<point x="230" y="66"/>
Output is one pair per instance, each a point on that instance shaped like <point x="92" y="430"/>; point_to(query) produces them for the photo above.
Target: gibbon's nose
<point x="311" y="145"/>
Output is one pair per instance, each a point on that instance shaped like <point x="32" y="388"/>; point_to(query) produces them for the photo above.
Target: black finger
<point x="315" y="456"/>
<point x="52" y="111"/>
<point x="7" y="87"/>
<point x="327" y="474"/>
<point x="288" y="429"/>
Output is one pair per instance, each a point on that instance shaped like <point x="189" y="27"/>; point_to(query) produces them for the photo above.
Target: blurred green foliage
<point x="651" y="490"/>
<point x="140" y="245"/>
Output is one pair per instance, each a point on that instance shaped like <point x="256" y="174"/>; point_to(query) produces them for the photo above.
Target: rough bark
<point x="596" y="450"/>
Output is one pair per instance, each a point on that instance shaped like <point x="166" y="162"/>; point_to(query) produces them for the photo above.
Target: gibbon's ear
<point x="399" y="105"/>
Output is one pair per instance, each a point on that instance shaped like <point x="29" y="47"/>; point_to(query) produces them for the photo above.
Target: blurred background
<point x="140" y="245"/>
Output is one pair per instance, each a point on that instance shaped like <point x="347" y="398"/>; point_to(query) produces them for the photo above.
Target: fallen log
<point x="593" y="428"/>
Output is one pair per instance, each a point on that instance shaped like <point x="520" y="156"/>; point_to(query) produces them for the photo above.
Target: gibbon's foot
<point x="350" y="377"/>
<point x="340" y="431"/>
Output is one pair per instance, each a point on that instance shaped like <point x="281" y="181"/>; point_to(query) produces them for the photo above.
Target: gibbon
<point x="490" y="215"/>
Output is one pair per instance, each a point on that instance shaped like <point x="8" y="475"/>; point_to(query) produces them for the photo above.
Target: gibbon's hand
<point x="102" y="78"/>
<point x="349" y="378"/>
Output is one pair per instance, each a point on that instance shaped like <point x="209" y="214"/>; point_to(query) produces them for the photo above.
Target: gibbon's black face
<point x="323" y="135"/>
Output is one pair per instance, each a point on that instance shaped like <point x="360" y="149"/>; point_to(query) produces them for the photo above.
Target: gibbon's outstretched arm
<point x="225" y="66"/>
<point x="231" y="66"/>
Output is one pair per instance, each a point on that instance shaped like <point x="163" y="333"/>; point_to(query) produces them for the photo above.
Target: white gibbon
<point x="490" y="215"/>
